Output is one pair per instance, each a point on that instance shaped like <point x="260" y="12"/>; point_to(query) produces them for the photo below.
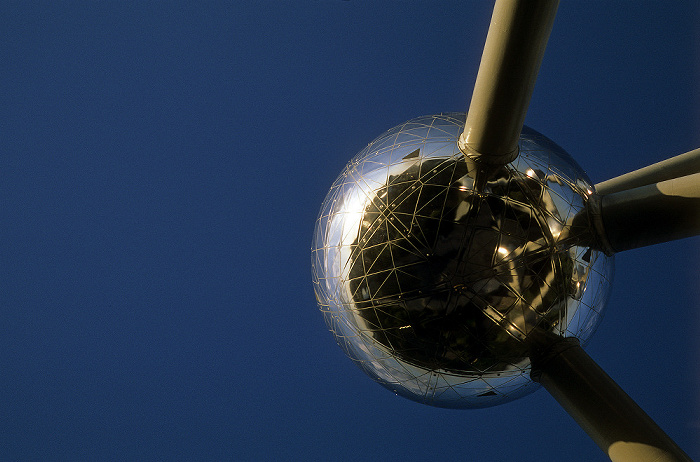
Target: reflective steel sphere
<point x="432" y="279"/>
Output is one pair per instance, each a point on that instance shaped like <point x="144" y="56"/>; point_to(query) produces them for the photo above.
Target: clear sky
<point x="162" y="165"/>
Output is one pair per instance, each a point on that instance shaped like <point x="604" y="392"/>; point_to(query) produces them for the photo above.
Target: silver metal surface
<point x="431" y="280"/>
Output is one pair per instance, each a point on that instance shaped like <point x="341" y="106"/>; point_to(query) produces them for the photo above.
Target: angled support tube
<point x="610" y="417"/>
<point x="652" y="214"/>
<point x="675" y="167"/>
<point x="513" y="52"/>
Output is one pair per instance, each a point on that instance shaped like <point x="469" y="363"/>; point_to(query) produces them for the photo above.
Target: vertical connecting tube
<point x="514" y="48"/>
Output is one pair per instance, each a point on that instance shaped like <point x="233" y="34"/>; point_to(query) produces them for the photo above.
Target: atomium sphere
<point x="432" y="281"/>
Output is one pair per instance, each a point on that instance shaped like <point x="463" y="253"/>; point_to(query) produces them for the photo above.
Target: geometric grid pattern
<point x="431" y="278"/>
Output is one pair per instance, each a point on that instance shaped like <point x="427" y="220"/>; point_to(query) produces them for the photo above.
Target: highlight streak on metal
<point x="514" y="48"/>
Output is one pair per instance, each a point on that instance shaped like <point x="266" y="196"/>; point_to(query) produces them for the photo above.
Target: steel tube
<point x="681" y="165"/>
<point x="652" y="214"/>
<point x="514" y="48"/>
<point x="610" y="417"/>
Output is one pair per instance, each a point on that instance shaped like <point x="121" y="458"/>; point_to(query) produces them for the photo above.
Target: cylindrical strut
<point x="513" y="52"/>
<point x="652" y="214"/>
<point x="610" y="417"/>
<point x="675" y="167"/>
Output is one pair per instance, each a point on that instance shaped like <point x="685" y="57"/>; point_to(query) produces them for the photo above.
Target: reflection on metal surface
<point x="431" y="277"/>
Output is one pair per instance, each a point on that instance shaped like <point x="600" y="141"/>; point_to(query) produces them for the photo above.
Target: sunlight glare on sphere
<point x="431" y="286"/>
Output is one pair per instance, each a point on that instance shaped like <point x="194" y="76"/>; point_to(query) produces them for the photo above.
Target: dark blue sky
<point x="162" y="165"/>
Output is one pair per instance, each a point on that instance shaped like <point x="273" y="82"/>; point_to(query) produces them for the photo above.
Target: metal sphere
<point x="433" y="283"/>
